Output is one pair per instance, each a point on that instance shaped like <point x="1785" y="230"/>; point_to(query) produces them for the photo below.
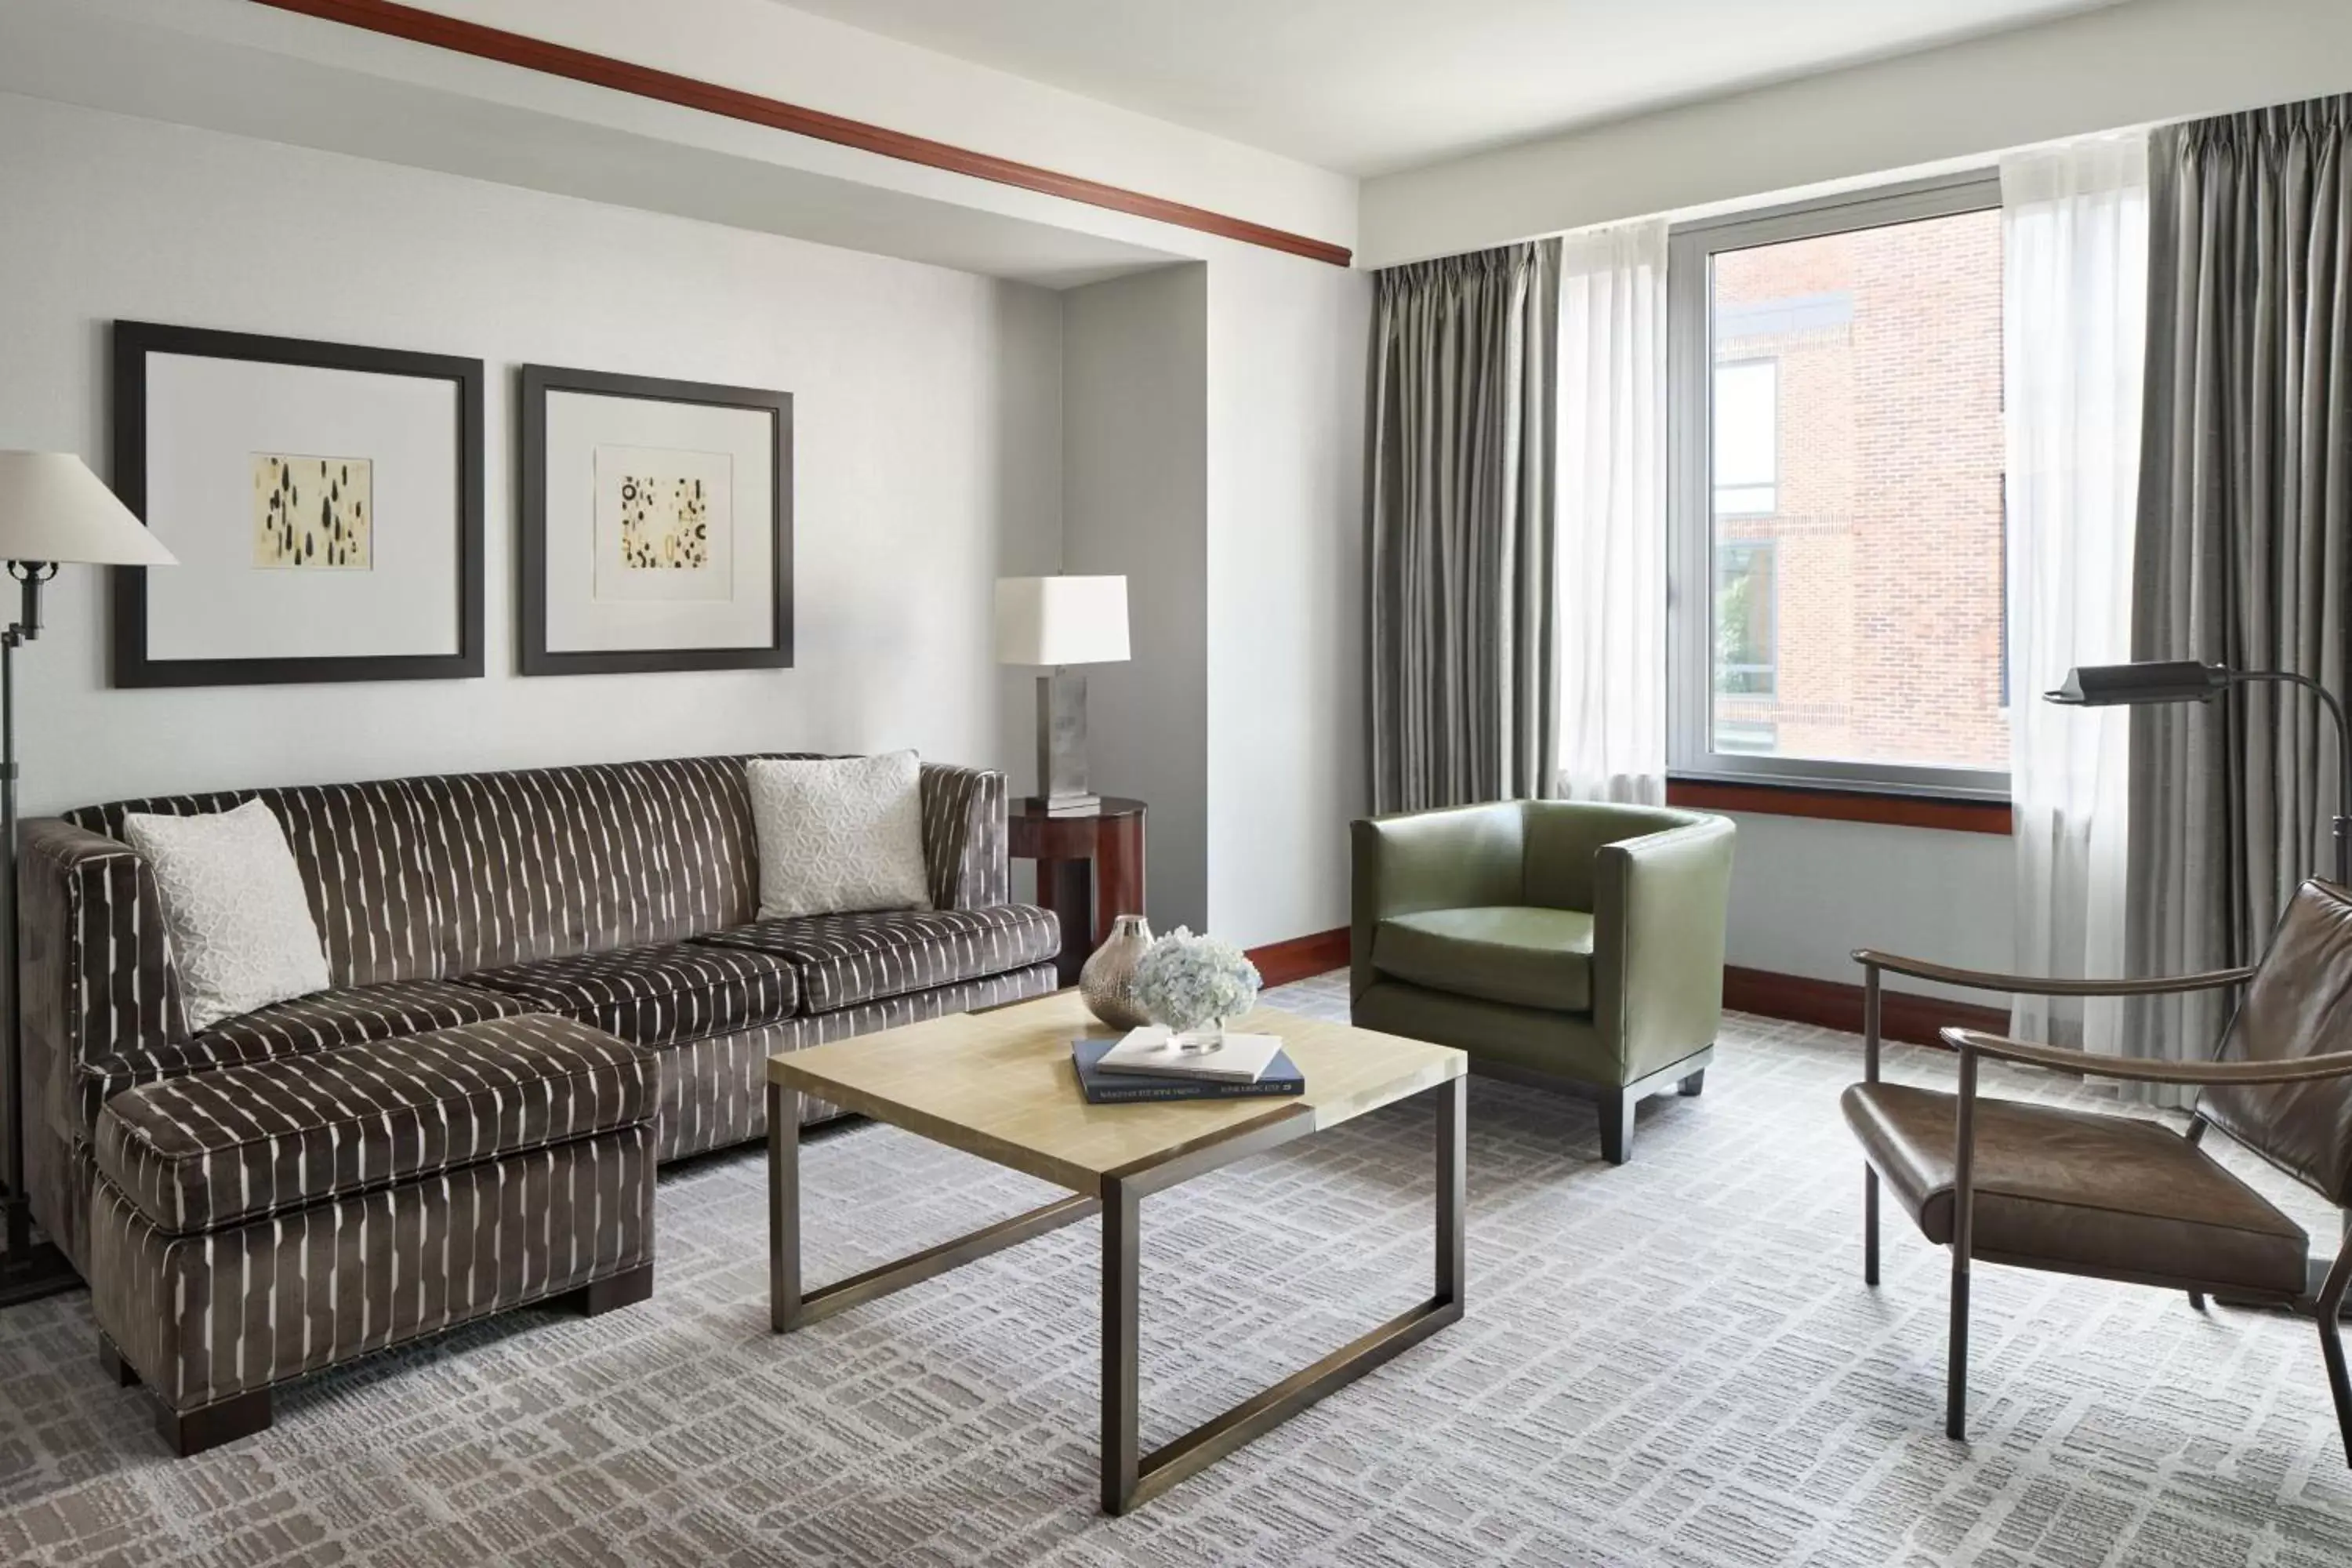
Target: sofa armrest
<point x="964" y="836"/>
<point x="1657" y="942"/>
<point x="97" y="967"/>
<point x="1464" y="856"/>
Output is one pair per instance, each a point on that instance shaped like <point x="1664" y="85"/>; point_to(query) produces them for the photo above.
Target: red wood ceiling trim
<point x="422" y="27"/>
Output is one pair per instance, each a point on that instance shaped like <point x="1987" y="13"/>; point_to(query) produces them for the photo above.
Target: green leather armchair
<point x="1569" y="945"/>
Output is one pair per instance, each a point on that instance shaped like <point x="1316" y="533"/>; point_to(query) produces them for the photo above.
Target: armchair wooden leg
<point x="2197" y="1299"/>
<point x="1869" y="1224"/>
<point x="1693" y="1086"/>
<point x="1616" y="1108"/>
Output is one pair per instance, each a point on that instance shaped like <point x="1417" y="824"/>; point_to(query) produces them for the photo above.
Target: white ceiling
<point x="1369" y="85"/>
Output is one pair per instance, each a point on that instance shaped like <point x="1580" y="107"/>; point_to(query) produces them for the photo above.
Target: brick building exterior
<point x="1859" y="585"/>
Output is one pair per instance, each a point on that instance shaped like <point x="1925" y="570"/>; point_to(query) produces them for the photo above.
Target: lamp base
<point x="39" y="1272"/>
<point x="1074" y="805"/>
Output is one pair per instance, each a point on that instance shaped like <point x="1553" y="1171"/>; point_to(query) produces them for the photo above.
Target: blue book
<point x="1281" y="1077"/>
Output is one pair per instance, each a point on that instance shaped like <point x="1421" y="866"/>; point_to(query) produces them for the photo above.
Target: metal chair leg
<point x="1870" y="1225"/>
<point x="1956" y="1397"/>
<point x="2329" y="1305"/>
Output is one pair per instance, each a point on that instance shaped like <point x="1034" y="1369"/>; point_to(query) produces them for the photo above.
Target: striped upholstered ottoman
<point x="253" y="1223"/>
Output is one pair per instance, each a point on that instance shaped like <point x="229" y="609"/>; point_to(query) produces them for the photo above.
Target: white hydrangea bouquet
<point x="1193" y="984"/>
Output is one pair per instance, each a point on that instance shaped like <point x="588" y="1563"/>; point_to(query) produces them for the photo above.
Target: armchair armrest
<point x="2306" y="1069"/>
<point x="1465" y="857"/>
<point x="1876" y="965"/>
<point x="965" y="839"/>
<point x="1659" y="912"/>
<point x="2041" y="985"/>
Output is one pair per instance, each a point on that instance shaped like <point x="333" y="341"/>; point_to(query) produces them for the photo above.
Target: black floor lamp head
<point x="2187" y="680"/>
<point x="52" y="508"/>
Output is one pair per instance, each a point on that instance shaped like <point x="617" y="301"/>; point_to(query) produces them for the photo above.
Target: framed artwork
<point x="656" y="524"/>
<point x="324" y="500"/>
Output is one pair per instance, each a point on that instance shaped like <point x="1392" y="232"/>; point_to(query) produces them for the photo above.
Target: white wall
<point x="1286" y="593"/>
<point x="2129" y="65"/>
<point x="927" y="442"/>
<point x="1135" y="444"/>
<point x="1805" y="893"/>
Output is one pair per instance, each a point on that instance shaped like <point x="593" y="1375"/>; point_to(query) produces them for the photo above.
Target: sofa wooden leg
<point x="1691" y="1086"/>
<point x="608" y="1295"/>
<point x="1616" y="1125"/>
<point x="109" y="1358"/>
<point x="193" y="1431"/>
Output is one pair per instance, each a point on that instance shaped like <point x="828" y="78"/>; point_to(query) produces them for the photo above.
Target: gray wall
<point x="1135" y="502"/>
<point x="927" y="408"/>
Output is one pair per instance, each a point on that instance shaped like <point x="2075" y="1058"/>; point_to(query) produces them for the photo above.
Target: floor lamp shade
<point x="1054" y="623"/>
<point x="53" y="508"/>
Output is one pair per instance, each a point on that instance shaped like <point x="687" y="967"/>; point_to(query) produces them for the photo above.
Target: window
<point x="1835" y="386"/>
<point x="1746" y="437"/>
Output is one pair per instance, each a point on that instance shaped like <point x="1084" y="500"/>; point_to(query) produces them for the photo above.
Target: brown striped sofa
<point x="619" y="898"/>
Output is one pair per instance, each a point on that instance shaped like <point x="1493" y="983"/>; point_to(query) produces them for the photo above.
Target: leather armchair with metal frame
<point x="2127" y="1198"/>
<point x="1569" y="945"/>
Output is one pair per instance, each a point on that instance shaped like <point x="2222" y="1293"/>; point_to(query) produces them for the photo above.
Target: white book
<point x="1240" y="1059"/>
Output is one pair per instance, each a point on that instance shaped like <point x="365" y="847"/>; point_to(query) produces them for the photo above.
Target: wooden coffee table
<point x="1000" y="1085"/>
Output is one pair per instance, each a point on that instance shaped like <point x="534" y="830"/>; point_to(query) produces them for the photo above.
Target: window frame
<point x="1690" y="522"/>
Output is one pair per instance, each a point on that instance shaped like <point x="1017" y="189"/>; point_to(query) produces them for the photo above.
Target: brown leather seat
<point x="2077" y="1190"/>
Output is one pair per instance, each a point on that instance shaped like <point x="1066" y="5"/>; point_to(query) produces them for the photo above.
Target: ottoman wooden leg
<point x="193" y="1431"/>
<point x="109" y="1358"/>
<point x="608" y="1295"/>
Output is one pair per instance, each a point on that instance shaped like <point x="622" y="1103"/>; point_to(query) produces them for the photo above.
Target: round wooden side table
<point x="1090" y="869"/>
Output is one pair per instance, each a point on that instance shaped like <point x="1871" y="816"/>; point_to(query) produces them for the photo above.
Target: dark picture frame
<point x="134" y="666"/>
<point x="536" y="658"/>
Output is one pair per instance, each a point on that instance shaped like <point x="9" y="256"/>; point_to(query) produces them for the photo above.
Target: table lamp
<point x="53" y="510"/>
<point x="2186" y="681"/>
<point x="1054" y="623"/>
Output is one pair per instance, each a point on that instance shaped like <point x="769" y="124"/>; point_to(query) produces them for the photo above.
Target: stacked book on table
<point x="1144" y="1065"/>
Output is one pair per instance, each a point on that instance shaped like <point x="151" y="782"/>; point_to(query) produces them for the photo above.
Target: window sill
<point x="1949" y="813"/>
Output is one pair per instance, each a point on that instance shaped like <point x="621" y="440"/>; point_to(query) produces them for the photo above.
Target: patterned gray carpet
<point x="1674" y="1363"/>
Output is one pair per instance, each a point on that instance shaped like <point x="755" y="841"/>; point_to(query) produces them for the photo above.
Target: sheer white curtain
<point x="2074" y="230"/>
<point x="1611" y="486"/>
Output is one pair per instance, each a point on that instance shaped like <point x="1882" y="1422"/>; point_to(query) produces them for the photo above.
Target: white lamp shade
<point x="1061" y="620"/>
<point x="52" y="507"/>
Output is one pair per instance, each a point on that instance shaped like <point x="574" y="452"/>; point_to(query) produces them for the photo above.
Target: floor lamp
<point x="2186" y="681"/>
<point x="52" y="510"/>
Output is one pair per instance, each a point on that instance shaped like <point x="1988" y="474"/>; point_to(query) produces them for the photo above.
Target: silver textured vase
<point x="1107" y="984"/>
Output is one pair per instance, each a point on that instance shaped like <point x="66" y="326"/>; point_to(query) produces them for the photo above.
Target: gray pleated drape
<point x="2245" y="498"/>
<point x="1463" y="683"/>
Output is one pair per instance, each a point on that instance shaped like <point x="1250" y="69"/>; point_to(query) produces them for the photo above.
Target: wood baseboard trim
<point x="1791" y="998"/>
<point x="1280" y="962"/>
<point x="1843" y="805"/>
<point x="398" y="21"/>
<point x="1834" y="1004"/>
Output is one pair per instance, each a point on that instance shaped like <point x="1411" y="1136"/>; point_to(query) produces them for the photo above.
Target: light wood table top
<point x="1000" y="1084"/>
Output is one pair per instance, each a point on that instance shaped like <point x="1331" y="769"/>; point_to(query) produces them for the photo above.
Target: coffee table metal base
<point x="1130" y="1478"/>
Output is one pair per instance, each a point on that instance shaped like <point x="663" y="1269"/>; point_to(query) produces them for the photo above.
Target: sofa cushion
<point x="844" y="959"/>
<point x="1528" y="957"/>
<point x="202" y="1152"/>
<point x="655" y="995"/>
<point x="323" y="1021"/>
<point x="240" y="925"/>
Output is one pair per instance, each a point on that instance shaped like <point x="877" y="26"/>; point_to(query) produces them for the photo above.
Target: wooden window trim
<point x="1950" y="814"/>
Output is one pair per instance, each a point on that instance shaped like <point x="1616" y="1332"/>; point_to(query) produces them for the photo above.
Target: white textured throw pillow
<point x="242" y="935"/>
<point x="839" y="835"/>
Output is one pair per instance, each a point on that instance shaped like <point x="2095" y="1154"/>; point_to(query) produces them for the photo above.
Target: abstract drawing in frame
<point x="655" y="524"/>
<point x="325" y="502"/>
